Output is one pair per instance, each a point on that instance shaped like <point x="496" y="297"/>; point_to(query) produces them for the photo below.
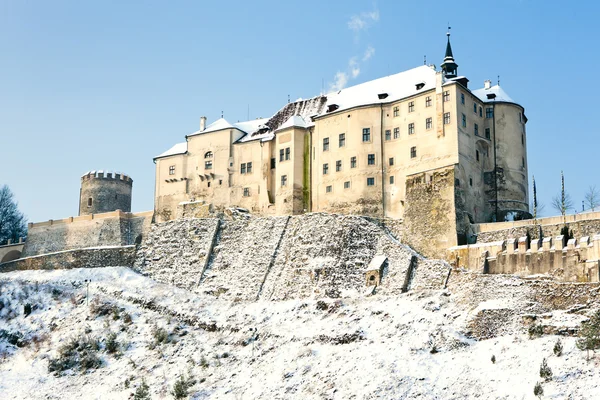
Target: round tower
<point x="103" y="191"/>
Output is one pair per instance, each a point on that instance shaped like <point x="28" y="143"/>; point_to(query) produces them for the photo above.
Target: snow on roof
<point x="295" y="121"/>
<point x="497" y="90"/>
<point x="218" y="125"/>
<point x="179" y="148"/>
<point x="383" y="90"/>
<point x="252" y="125"/>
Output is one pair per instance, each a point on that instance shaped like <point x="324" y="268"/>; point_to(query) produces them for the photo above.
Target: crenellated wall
<point x="573" y="260"/>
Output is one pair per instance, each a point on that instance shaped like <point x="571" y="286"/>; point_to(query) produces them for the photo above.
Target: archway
<point x="10" y="256"/>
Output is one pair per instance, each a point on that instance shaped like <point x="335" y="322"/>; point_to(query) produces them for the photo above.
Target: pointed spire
<point x="449" y="66"/>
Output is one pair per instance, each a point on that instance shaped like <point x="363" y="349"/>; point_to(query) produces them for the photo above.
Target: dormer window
<point x="382" y="96"/>
<point x="208" y="154"/>
<point x="332" y="107"/>
<point x="420" y="85"/>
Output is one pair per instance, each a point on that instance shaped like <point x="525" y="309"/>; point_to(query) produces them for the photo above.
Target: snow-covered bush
<point x="78" y="353"/>
<point x="545" y="371"/>
<point x="558" y="348"/>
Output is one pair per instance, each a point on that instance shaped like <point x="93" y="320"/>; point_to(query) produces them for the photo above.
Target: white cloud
<point x="354" y="68"/>
<point x="341" y="79"/>
<point x="368" y="53"/>
<point x="363" y="20"/>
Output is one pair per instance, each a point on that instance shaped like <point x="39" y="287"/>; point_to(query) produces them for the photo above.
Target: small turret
<point x="103" y="191"/>
<point x="449" y="67"/>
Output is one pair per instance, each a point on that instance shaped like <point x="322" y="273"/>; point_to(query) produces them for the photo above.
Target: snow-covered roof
<point x="248" y="127"/>
<point x="383" y="90"/>
<point x="179" y="148"/>
<point x="501" y="95"/>
<point x="295" y="121"/>
<point x="218" y="125"/>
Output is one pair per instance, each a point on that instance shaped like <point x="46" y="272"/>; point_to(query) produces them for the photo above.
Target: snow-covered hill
<point x="421" y="344"/>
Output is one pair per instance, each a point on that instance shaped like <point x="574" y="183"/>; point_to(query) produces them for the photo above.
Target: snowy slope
<point x="354" y="348"/>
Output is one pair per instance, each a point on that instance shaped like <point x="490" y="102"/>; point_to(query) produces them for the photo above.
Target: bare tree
<point x="592" y="198"/>
<point x="562" y="202"/>
<point x="12" y="221"/>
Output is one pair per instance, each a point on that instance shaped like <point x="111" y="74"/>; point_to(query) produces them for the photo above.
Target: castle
<point x="419" y="146"/>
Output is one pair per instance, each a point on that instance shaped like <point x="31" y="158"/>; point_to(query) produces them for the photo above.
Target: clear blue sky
<point x="110" y="84"/>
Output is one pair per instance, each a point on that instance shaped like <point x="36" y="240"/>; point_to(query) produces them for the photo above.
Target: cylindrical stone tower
<point x="103" y="191"/>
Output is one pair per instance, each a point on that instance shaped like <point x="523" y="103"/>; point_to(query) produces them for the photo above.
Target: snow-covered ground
<point x="399" y="347"/>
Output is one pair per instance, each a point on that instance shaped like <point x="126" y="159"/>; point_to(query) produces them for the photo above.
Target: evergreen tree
<point x="589" y="334"/>
<point x="12" y="221"/>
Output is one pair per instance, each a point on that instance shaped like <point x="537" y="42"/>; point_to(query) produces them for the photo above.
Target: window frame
<point x="396" y="132"/>
<point x="413" y="152"/>
<point x="447" y="119"/>
<point x="411" y="128"/>
<point x="429" y="123"/>
<point x="371" y="159"/>
<point x="366" y="134"/>
<point x="428" y="101"/>
<point x="171" y="169"/>
<point x="342" y="140"/>
<point x="370" y="181"/>
<point x="353" y="162"/>
<point x="326" y="144"/>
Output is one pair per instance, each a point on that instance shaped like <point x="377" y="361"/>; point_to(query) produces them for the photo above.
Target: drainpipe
<point x="381" y="134"/>
<point x="495" y="160"/>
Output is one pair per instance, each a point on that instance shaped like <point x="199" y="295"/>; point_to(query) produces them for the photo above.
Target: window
<point x="342" y="140"/>
<point x="523" y="161"/>
<point x="352" y="162"/>
<point x="338" y="165"/>
<point x="388" y="134"/>
<point x="462" y="98"/>
<point x="489" y="112"/>
<point x="396" y="133"/>
<point x="477" y="155"/>
<point x="366" y="134"/>
<point x="392" y="180"/>
<point x="325" y="169"/>
<point x="281" y="152"/>
<point x="208" y="164"/>
<point x="411" y="128"/>
<point x="411" y="106"/>
<point x="328" y="189"/>
<point x="447" y="95"/>
<point x="243" y="168"/>
<point x="480" y="111"/>
<point x="370" y="181"/>
<point x="475" y="108"/>
<point x="326" y="144"/>
<point x="476" y="129"/>
<point x="208" y="154"/>
<point x="347" y="185"/>
<point x="464" y="121"/>
<point x="429" y="123"/>
<point x="391" y="161"/>
<point x="371" y="159"/>
<point x="428" y="101"/>
<point x="246" y="192"/>
<point x="208" y="183"/>
<point x="520" y="117"/>
<point x="413" y="152"/>
<point x="272" y="163"/>
<point x="172" y="170"/>
<point x="396" y="111"/>
<point x="522" y="140"/>
<point x="90" y="202"/>
<point x="470" y="181"/>
<point x="287" y="153"/>
<point x="446" y="118"/>
<point x="220" y="182"/>
<point x="487" y="133"/>
<point x="249" y="168"/>
<point x="283" y="180"/>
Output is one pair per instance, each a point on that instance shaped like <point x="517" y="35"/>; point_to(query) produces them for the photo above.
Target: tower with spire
<point x="449" y="66"/>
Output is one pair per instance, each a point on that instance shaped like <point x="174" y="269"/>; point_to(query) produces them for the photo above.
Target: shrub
<point x="558" y="348"/>
<point x="182" y="386"/>
<point x="589" y="334"/>
<point x="142" y="392"/>
<point x="27" y="310"/>
<point x="545" y="371"/>
<point x="160" y="335"/>
<point x="535" y="331"/>
<point x="538" y="390"/>
<point x="77" y="353"/>
<point x="493" y="359"/>
<point x="112" y="345"/>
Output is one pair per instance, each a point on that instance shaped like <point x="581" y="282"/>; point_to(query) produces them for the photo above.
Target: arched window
<point x="208" y="154"/>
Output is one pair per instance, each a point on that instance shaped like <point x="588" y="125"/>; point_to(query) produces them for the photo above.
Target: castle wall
<point x="99" y="257"/>
<point x="575" y="260"/>
<point x="104" y="192"/>
<point x="432" y="217"/>
<point x="107" y="229"/>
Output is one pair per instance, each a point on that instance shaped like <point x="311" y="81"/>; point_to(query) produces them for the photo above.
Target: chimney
<point x="487" y="84"/>
<point x="202" y="123"/>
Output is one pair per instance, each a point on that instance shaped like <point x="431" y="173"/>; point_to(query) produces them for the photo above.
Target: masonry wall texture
<point x="118" y="256"/>
<point x="242" y="257"/>
<point x="580" y="228"/>
<point x="104" y="192"/>
<point x="108" y="229"/>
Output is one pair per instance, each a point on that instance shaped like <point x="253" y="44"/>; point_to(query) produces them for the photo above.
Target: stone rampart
<point x="574" y="260"/>
<point x="117" y="256"/>
<point x="115" y="228"/>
